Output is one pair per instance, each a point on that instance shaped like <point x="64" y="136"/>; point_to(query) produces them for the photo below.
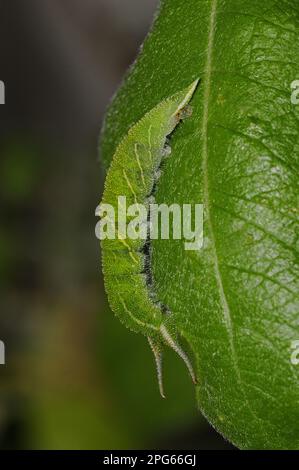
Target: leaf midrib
<point x="206" y="190"/>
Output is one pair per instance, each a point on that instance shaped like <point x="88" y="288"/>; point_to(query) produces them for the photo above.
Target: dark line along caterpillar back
<point x="125" y="261"/>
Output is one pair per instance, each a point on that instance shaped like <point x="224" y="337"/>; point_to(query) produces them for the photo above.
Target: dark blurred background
<point x="74" y="377"/>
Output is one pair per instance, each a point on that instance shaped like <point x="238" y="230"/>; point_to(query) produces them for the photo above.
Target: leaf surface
<point x="236" y="300"/>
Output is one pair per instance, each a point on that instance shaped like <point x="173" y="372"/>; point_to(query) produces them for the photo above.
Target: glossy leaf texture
<point x="236" y="300"/>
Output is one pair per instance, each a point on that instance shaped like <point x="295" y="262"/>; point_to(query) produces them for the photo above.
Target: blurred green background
<point x="74" y="377"/>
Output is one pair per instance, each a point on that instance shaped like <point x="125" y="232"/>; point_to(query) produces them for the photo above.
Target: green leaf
<point x="235" y="301"/>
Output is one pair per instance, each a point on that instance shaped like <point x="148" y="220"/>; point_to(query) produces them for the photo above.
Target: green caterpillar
<point x="132" y="175"/>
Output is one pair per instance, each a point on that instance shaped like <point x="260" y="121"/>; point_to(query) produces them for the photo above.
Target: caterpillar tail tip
<point x="158" y="359"/>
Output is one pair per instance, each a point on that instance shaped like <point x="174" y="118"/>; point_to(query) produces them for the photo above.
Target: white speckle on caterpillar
<point x="166" y="152"/>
